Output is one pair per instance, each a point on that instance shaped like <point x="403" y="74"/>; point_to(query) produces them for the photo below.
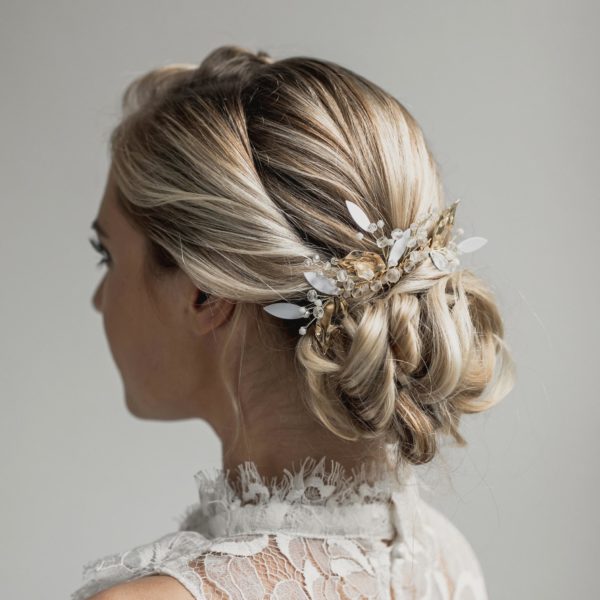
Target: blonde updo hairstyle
<point x="238" y="169"/>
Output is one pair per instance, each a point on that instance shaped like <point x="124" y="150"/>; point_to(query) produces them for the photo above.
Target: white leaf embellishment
<point x="359" y="215"/>
<point x="398" y="248"/>
<point x="284" y="310"/>
<point x="439" y="260"/>
<point x="471" y="244"/>
<point x="326" y="285"/>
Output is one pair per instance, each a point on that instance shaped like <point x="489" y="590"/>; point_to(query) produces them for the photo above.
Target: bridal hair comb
<point x="362" y="272"/>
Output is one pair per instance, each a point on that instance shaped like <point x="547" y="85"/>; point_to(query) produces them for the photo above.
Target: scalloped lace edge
<point x="312" y="482"/>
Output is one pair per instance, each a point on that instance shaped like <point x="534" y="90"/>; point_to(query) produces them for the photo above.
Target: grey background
<point x="507" y="94"/>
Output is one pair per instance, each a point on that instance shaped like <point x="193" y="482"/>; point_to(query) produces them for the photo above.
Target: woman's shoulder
<point x="246" y="566"/>
<point x="185" y="565"/>
<point x="453" y="551"/>
<point x="149" y="587"/>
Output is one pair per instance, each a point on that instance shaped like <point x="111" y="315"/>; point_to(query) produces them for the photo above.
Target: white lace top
<point x="319" y="534"/>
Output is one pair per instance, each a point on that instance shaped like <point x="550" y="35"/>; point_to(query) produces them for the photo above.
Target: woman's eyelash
<point x="105" y="260"/>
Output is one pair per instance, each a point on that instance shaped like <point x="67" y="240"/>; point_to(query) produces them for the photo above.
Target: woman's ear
<point x="219" y="311"/>
<point x="201" y="298"/>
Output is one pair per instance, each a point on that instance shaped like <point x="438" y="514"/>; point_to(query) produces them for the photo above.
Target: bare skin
<point x="166" y="349"/>
<point x="149" y="587"/>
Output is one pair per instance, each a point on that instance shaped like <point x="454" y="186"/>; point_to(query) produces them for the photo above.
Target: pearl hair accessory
<point x="361" y="272"/>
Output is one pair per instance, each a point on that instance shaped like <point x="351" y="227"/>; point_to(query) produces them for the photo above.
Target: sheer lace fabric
<point x="320" y="534"/>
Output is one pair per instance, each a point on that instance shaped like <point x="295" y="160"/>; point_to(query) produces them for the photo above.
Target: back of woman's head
<point x="238" y="169"/>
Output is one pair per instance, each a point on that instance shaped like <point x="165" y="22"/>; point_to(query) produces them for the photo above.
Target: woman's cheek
<point x="115" y="323"/>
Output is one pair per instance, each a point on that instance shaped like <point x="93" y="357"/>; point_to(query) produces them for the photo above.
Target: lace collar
<point x="318" y="499"/>
<point x="312" y="501"/>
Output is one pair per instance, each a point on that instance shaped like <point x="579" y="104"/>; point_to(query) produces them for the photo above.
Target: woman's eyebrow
<point x="99" y="228"/>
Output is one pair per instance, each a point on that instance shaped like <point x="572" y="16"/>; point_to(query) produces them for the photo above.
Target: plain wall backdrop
<point x="507" y="95"/>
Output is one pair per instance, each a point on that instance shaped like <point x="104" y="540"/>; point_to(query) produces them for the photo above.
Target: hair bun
<point x="232" y="61"/>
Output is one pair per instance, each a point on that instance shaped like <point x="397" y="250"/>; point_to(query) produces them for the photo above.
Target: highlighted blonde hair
<point x="237" y="169"/>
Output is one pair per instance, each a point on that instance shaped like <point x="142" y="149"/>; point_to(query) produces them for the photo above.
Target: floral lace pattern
<point x="318" y="534"/>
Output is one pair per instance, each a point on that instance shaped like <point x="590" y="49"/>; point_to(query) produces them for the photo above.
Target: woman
<point x="280" y="263"/>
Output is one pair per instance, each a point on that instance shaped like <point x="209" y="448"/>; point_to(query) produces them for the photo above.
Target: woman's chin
<point x="145" y="407"/>
<point x="134" y="407"/>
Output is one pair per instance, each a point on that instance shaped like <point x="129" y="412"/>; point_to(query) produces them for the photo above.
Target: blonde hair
<point x="237" y="169"/>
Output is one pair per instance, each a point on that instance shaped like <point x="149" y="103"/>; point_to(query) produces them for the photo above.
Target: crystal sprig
<point x="335" y="280"/>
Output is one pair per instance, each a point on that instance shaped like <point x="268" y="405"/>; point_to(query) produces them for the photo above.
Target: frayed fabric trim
<point x="318" y="483"/>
